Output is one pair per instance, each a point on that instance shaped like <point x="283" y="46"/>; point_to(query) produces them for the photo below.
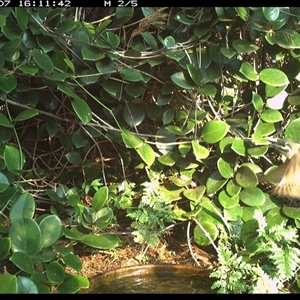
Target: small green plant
<point x="256" y="257"/>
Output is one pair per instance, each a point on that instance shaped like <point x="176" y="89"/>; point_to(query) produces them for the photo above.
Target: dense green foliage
<point x="158" y="112"/>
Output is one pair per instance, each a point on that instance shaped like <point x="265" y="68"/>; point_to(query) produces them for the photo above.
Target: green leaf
<point x="73" y="157"/>
<point x="14" y="158"/>
<point x="257" y="102"/>
<point x="195" y="74"/>
<point x="26" y="114"/>
<point x="23" y="262"/>
<point x="228" y="201"/>
<point x="252" y="196"/>
<point x="147" y="154"/>
<point x="8" y="83"/>
<point x="8" y="284"/>
<point x="225" y="167"/>
<point x="234" y="213"/>
<point x="132" y="75"/>
<point x="208" y="90"/>
<point x="72" y="261"/>
<point x="30" y="70"/>
<point x="271" y="116"/>
<point x="43" y="60"/>
<point x="73" y="284"/>
<point x="243" y="12"/>
<point x="22" y="17"/>
<point x="82" y="110"/>
<point x="245" y="177"/>
<point x="201" y="234"/>
<point x="243" y="46"/>
<point x="183" y="80"/>
<point x="271" y="13"/>
<point x="199" y="151"/>
<point x="133" y="114"/>
<point x="214" y="131"/>
<point x="287" y="38"/>
<point x="25" y="236"/>
<point x="26" y="286"/>
<point x="195" y="194"/>
<point x="24" y="206"/>
<point x="100" y="198"/>
<point x="291" y="212"/>
<point x="164" y="140"/>
<point x="91" y="53"/>
<point x="50" y="228"/>
<point x="215" y="182"/>
<point x="273" y="77"/>
<point x="101" y="241"/>
<point x="4" y="183"/>
<point x="292" y="131"/>
<point x="55" y="272"/>
<point x="67" y="27"/>
<point x="248" y="71"/>
<point x="5" y="244"/>
<point x="9" y="49"/>
<point x="5" y="122"/>
<point x="130" y="140"/>
<point x="150" y="40"/>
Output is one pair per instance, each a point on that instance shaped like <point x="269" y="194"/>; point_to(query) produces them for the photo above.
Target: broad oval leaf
<point x="245" y="177"/>
<point x="9" y="284"/>
<point x="183" y="80"/>
<point x="43" y="60"/>
<point x="271" y="116"/>
<point x="292" y="131"/>
<point x="147" y="154"/>
<point x="72" y="261"/>
<point x="228" y="201"/>
<point x="206" y="234"/>
<point x="27" y="286"/>
<point x="273" y="77"/>
<point x="133" y="114"/>
<point x="4" y="183"/>
<point x="73" y="157"/>
<point x="101" y="241"/>
<point x="199" y="151"/>
<point x="24" y="206"/>
<point x="5" y="122"/>
<point x="194" y="194"/>
<point x="225" y="168"/>
<point x="164" y="140"/>
<point x="130" y="140"/>
<point x="14" y="158"/>
<point x="50" y="228"/>
<point x="132" y="75"/>
<point x="215" y="182"/>
<point x="291" y="212"/>
<point x="26" y="114"/>
<point x="287" y="38"/>
<point x="234" y="214"/>
<point x="55" y="272"/>
<point x="214" y="131"/>
<point x="5" y="244"/>
<point x="23" y="262"/>
<point x="271" y="13"/>
<point x="244" y="46"/>
<point x="248" y="71"/>
<point x="8" y="83"/>
<point x="25" y="236"/>
<point x="252" y="196"/>
<point x="100" y="198"/>
<point x="82" y="110"/>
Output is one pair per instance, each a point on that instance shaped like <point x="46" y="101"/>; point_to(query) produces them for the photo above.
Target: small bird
<point x="285" y="178"/>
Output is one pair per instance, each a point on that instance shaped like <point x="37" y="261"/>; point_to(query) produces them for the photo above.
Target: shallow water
<point x="152" y="279"/>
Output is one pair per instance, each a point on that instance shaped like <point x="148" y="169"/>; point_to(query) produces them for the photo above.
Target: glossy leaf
<point x="194" y="194"/>
<point x="133" y="114"/>
<point x="183" y="80"/>
<point x="130" y="140"/>
<point x="82" y="110"/>
<point x="72" y="261"/>
<point x="50" y="228"/>
<point x="244" y="46"/>
<point x="291" y="212"/>
<point x="210" y="230"/>
<point x="23" y="262"/>
<point x="243" y="12"/>
<point x="24" y="206"/>
<point x="5" y="244"/>
<point x="271" y="13"/>
<point x="131" y="75"/>
<point x="150" y="40"/>
<point x="228" y="201"/>
<point x="147" y="154"/>
<point x="252" y="196"/>
<point x="164" y="140"/>
<point x="91" y="53"/>
<point x="26" y="114"/>
<point x="271" y="116"/>
<point x="287" y="38"/>
<point x="8" y="284"/>
<point x="214" y="131"/>
<point x="101" y="241"/>
<point x="292" y="131"/>
<point x="248" y="71"/>
<point x="55" y="272"/>
<point x="245" y="177"/>
<point x="25" y="236"/>
<point x="199" y="151"/>
<point x="100" y="198"/>
<point x="73" y="157"/>
<point x="234" y="214"/>
<point x="14" y="158"/>
<point x="73" y="284"/>
<point x="273" y="77"/>
<point x="5" y="122"/>
<point x="215" y="182"/>
<point x="4" y="183"/>
<point x="7" y="83"/>
<point x="43" y="60"/>
<point x="195" y="74"/>
<point x="168" y="159"/>
<point x="27" y="286"/>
